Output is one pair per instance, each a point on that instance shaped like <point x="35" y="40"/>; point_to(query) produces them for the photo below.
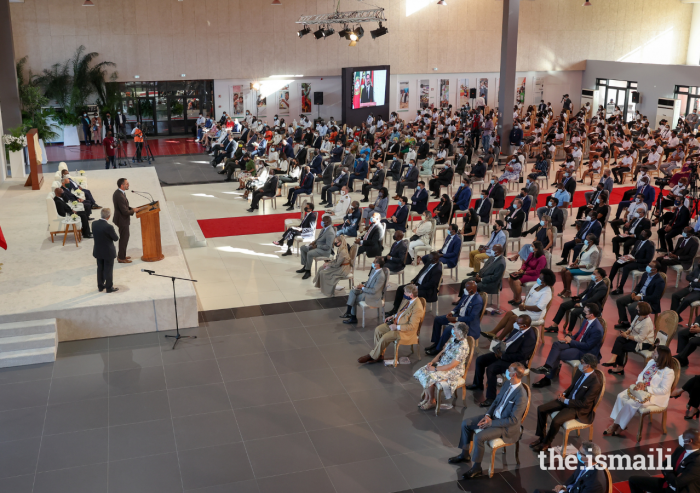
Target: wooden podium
<point x="150" y="233"/>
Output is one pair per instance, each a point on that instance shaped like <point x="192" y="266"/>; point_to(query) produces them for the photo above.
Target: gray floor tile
<point x="333" y="334"/>
<point x="194" y="350"/>
<point x="166" y="343"/>
<point x="192" y="373"/>
<point x="17" y="484"/>
<point x="73" y="449"/>
<point x="81" y="364"/>
<point x="276" y="322"/>
<point x="370" y="476"/>
<point x="230" y="327"/>
<point x="256" y="392"/>
<point x="385" y="403"/>
<point x="212" y="466"/>
<point x="427" y="467"/>
<point x="19" y="424"/>
<point x="134" y="357"/>
<point x="250" y="486"/>
<point x="280" y="340"/>
<point x="328" y="412"/>
<point x="135" y="408"/>
<point x="296" y="360"/>
<point x="153" y="474"/>
<point x="404" y="434"/>
<point x="237" y="345"/>
<point x="24" y="394"/>
<point x="357" y="378"/>
<point x="85" y="479"/>
<point x="268" y="421"/>
<point x="78" y="388"/>
<point x="136" y="381"/>
<point x="345" y="353"/>
<point x="359" y="443"/>
<point x="76" y="416"/>
<point x="198" y="400"/>
<point x="141" y="439"/>
<point x="247" y="366"/>
<point x="316" y="481"/>
<point x="134" y="340"/>
<point x="27" y="373"/>
<point x="19" y="457"/>
<point x="84" y="346"/>
<point x="310" y="384"/>
<point x="282" y="455"/>
<point x="206" y="430"/>
<point x="320" y="317"/>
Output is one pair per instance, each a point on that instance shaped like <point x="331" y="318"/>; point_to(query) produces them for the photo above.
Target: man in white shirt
<point x="337" y="213"/>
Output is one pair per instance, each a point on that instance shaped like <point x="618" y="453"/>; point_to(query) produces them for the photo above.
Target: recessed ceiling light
<point x="88" y="3"/>
<point x="276" y="2"/>
<point x="442" y="2"/>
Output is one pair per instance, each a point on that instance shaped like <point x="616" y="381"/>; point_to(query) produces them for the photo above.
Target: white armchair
<point x="56" y="225"/>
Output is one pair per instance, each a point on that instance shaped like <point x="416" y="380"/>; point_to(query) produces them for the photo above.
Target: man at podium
<point x="122" y="218"/>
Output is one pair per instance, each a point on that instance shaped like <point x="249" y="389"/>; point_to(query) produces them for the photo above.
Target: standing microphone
<point x="149" y="271"/>
<point x="141" y="194"/>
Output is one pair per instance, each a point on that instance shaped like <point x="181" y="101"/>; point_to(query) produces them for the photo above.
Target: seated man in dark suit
<point x="681" y="299"/>
<point x="64" y="210"/>
<point x="597" y="290"/>
<point x="463" y="196"/>
<point x="497" y="193"/>
<point x="306" y="186"/>
<point x="419" y="201"/>
<point x="482" y="207"/>
<point x="371" y="242"/>
<point x="569" y="183"/>
<point x="316" y="164"/>
<point x="69" y="196"/>
<point x="73" y="185"/>
<point x="591" y="226"/>
<point x="427" y="281"/>
<point x="360" y="172"/>
<point x="684" y="253"/>
<point x="397" y="253"/>
<point x="517" y="347"/>
<point x="514" y="220"/>
<point x="576" y="402"/>
<point x="269" y="189"/>
<point x="478" y="170"/>
<point x="449" y="253"/>
<point x="441" y="179"/>
<point x="503" y="420"/>
<point x="675" y="223"/>
<point x="649" y="289"/>
<point x="642" y="253"/>
<point x="327" y="191"/>
<point x="468" y="310"/>
<point x="632" y="231"/>
<point x="552" y="210"/>
<point x="400" y="217"/>
<point x="588" y="340"/>
<point x="375" y="182"/>
<point x="410" y="179"/>
<point x="585" y="479"/>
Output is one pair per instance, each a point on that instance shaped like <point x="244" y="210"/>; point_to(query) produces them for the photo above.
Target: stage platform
<point x="43" y="280"/>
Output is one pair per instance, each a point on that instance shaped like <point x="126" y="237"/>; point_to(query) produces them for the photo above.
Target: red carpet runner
<point x="274" y="223"/>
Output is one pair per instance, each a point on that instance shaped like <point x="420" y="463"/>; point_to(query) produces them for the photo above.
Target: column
<point x="509" y="55"/>
<point x="9" y="94"/>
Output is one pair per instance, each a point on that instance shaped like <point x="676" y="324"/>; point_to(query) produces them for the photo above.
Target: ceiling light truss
<point x="354" y="17"/>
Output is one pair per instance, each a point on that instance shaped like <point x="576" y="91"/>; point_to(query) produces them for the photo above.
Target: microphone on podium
<point x="149" y="271"/>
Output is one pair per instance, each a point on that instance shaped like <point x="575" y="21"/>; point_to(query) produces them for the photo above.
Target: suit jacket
<point x="649" y="194"/>
<point x="307" y="183"/>
<point x="423" y="150"/>
<point x="478" y="170"/>
<point x="570" y="186"/>
<point x="324" y="242"/>
<point x="68" y="194"/>
<point x="122" y="211"/>
<point x="104" y="238"/>
<point x="492" y="274"/>
<point x="645" y="254"/>
<point x="401" y="216"/>
<point x="511" y="413"/>
<point x="534" y="190"/>
<point x="336" y="154"/>
<point x="498" y="194"/>
<point x="269" y="188"/>
<point x="686" y="253"/>
<point x="410" y="179"/>
<point x="451" y="256"/>
<point x="120" y="120"/>
<point x="641" y="226"/>
<point x="62" y="208"/>
<point x="592" y="481"/>
<point x="462" y="198"/>
<point x="372" y="241"/>
<point x="428" y="288"/>
<point x="485" y="211"/>
<point x="461" y="164"/>
<point x="686" y="477"/>
<point x="419" y="201"/>
<point x="586" y="396"/>
<point x="654" y="291"/>
<point x="410" y="318"/>
<point x="607" y="183"/>
<point x="516" y="224"/>
<point x="589" y="229"/>
<point x="592" y="339"/>
<point x="361" y="168"/>
<point x="377" y="178"/>
<point x="317" y="165"/>
<point x="444" y="177"/>
<point x="328" y="174"/>
<point x="373" y="287"/>
<point x="397" y="252"/>
<point x="681" y="218"/>
<point x="594" y="294"/>
<point x="349" y="161"/>
<point x="341" y="180"/>
<point x="472" y="314"/>
<point x="520" y="349"/>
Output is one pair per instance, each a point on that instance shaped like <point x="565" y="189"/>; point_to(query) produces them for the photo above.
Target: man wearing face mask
<point x="371" y="241"/>
<point x="478" y="171"/>
<point x="449" y="253"/>
<point x="419" y="200"/>
<point x="423" y="149"/>
<point x="306" y="229"/>
<point x="400" y="217"/>
<point x="496" y="192"/>
<point x="675" y="223"/>
<point x="684" y="477"/>
<point x="341" y="206"/>
<point x="463" y="197"/>
<point x="650" y="289"/>
<point x="684" y="253"/>
<point x="85" y="121"/>
<point x="644" y="189"/>
<point x="370" y="292"/>
<point x="320" y="247"/>
<point x="482" y="207"/>
<point x="639" y="257"/>
<point x="576" y="402"/>
<point x="410" y="179"/>
<point x="590" y="226"/>
<point x="351" y="221"/>
<point x="120" y="122"/>
<point x="306" y="186"/>
<point x="397" y="253"/>
<point x="595" y="293"/>
<point x="587" y="478"/>
<point x="427" y="282"/>
<point x="503" y="420"/>
<point x="588" y="339"/>
<point x="554" y="212"/>
<point x="360" y="172"/>
<point x="339" y="182"/>
<point x="468" y="311"/>
<point x="592" y="200"/>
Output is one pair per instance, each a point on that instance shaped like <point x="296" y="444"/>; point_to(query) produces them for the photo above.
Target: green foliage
<point x="32" y="102"/>
<point x="176" y="108"/>
<point x="146" y="107"/>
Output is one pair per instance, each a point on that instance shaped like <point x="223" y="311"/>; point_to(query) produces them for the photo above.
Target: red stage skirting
<point x="274" y="223"/>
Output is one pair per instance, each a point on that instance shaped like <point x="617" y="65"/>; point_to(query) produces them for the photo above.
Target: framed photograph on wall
<point x="520" y="90"/>
<point x="305" y="97"/>
<point x="483" y="90"/>
<point x="237" y="100"/>
<point x="424" y="93"/>
<point x="404" y="95"/>
<point x="463" y="92"/>
<point x="444" y="93"/>
<point x="283" y="100"/>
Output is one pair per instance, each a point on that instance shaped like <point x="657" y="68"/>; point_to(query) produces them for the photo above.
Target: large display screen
<point x="369" y="88"/>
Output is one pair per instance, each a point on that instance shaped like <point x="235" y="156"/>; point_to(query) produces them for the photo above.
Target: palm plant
<point x="34" y="113"/>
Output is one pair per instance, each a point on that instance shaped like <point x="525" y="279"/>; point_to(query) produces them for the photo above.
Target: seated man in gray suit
<point x="370" y="292"/>
<point x="503" y="420"/>
<point x="490" y="276"/>
<point x="321" y="247"/>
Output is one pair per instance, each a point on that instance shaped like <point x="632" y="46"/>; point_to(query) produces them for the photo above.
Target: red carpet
<point x="274" y="223"/>
<point x="160" y="146"/>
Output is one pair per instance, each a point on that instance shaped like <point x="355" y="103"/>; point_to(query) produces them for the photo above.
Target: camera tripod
<point x="120" y="158"/>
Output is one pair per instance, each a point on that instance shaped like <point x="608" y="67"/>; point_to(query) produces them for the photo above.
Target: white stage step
<point x="28" y="343"/>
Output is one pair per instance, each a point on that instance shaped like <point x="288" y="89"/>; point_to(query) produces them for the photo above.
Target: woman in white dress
<point x="653" y="388"/>
<point x="423" y="231"/>
<point x="640" y="336"/>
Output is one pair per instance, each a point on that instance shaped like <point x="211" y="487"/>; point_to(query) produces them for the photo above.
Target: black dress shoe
<point x="364" y="200"/>
<point x="552" y="329"/>
<point x="473" y="387"/>
<point x="488" y="335"/>
<point x="288" y="252"/>
<point x="455" y="303"/>
<point x="459" y="458"/>
<point x="307" y="275"/>
<point x="301" y="271"/>
<point x="431" y="347"/>
<point x="540" y="370"/>
<point x="535" y="443"/>
<point x="613" y="372"/>
<point x="486" y="403"/>
<point x="608" y="364"/>
<point x="88" y="236"/>
<point x="352" y="320"/>
<point x="390" y="313"/>
<point x="112" y="290"/>
<point x="100" y="289"/>
<point x="473" y="473"/>
<point x="562" y="262"/>
<point x="250" y="210"/>
<point x="431" y="352"/>
<point x="622" y="325"/>
<point x="289" y="208"/>
<point x="545" y="382"/>
<point x="472" y="274"/>
<point x="617" y="291"/>
<point x="346" y="315"/>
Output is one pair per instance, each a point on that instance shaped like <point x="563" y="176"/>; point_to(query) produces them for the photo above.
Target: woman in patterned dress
<point x="446" y="368"/>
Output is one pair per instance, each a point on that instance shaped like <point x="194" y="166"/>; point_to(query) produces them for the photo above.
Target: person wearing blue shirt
<point x="449" y="253"/>
<point x="463" y="196"/>
<point x="562" y="195"/>
<point x="468" y="310"/>
<point x="498" y="237"/>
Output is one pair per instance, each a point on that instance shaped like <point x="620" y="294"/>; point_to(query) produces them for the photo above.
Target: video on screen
<point x="369" y="88"/>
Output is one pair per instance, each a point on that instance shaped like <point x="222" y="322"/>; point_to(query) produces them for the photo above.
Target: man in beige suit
<point x="402" y="325"/>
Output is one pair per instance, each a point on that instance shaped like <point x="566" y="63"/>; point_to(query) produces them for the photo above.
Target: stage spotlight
<point x="587" y="4"/>
<point x="442" y="2"/>
<point x="303" y="32"/>
<point x="380" y="31"/>
<point x="328" y="31"/>
<point x="359" y="32"/>
<point x="353" y="42"/>
<point x="319" y="34"/>
<point x="345" y="33"/>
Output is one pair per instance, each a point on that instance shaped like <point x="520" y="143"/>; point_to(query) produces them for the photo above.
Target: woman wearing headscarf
<point x="334" y="270"/>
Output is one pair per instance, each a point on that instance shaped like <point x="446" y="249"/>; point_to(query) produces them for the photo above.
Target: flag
<point x="3" y="243"/>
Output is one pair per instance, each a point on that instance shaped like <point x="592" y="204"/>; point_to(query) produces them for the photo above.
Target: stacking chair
<point x="651" y="410"/>
<point x="678" y="268"/>
<point x="483" y="228"/>
<point x="666" y="323"/>
<point x="462" y="382"/>
<point x="380" y="309"/>
<point x="560" y="236"/>
<point x="425" y="249"/>
<point x="578" y="280"/>
<point x="471" y="245"/>
<point x="455" y="269"/>
<point x="410" y="340"/>
<point x="400" y="273"/>
<point x="444" y="227"/>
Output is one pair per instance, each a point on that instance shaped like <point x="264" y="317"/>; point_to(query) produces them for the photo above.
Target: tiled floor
<point x="266" y="399"/>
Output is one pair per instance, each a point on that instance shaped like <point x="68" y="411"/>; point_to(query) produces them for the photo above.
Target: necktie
<point x="675" y="468"/>
<point x="498" y="412"/>
<point x="582" y="332"/>
<point x="578" y="384"/>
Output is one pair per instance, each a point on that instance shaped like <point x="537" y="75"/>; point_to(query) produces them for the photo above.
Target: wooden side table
<point x="76" y="232"/>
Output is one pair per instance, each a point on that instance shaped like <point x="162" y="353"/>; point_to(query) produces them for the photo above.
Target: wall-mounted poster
<point x="261" y="103"/>
<point x="283" y="101"/>
<point x="520" y="90"/>
<point x="305" y="97"/>
<point x="237" y="100"/>
<point x="403" y="96"/>
<point x="484" y="90"/>
<point x="444" y="93"/>
<point x="463" y="88"/>
<point x="424" y="93"/>
<point x="538" y="94"/>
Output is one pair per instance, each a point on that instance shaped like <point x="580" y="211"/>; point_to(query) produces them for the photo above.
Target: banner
<point x="403" y="96"/>
<point x="283" y="101"/>
<point x="463" y="87"/>
<point x="520" y="90"/>
<point x="484" y="90"/>
<point x="305" y="97"/>
<point x="261" y="103"/>
<point x="539" y="91"/>
<point x="237" y="100"/>
<point x="424" y="93"/>
<point x="444" y="93"/>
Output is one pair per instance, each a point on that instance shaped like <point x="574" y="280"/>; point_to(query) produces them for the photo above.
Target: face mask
<point x="507" y="374"/>
<point x="539" y="282"/>
<point x="580" y="458"/>
<point x="418" y="188"/>
<point x="550" y="204"/>
<point x="493" y="181"/>
<point x="566" y="174"/>
<point x="639" y="200"/>
<point x="373" y="266"/>
<point x="678" y="202"/>
<point x="648" y="269"/>
<point x="685" y="235"/>
<point x="516" y="326"/>
<point x="581" y="369"/>
<point x="406" y="297"/>
<point x="588" y="218"/>
<point x="585" y="242"/>
<point x="681" y="442"/>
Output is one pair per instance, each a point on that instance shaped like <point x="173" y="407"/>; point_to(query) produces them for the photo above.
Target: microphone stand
<point x="177" y="335"/>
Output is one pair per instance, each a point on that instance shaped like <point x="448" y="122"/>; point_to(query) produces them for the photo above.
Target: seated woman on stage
<point x="529" y="271"/>
<point x="640" y="336"/>
<point x="653" y="388"/>
<point x="586" y="261"/>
